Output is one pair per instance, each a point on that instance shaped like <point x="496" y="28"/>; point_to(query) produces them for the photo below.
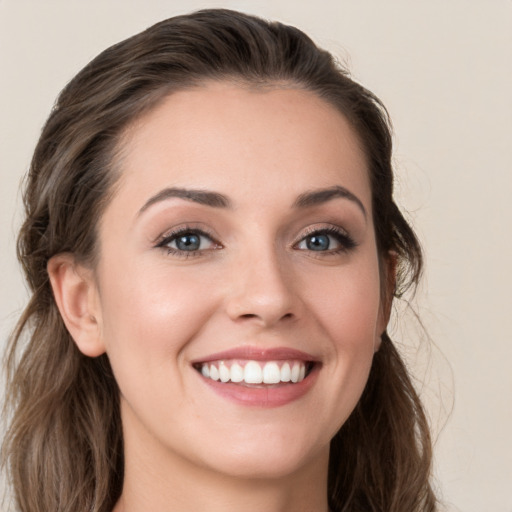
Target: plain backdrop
<point x="443" y="68"/>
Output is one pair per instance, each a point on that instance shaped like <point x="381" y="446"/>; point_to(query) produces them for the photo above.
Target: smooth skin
<point x="257" y="268"/>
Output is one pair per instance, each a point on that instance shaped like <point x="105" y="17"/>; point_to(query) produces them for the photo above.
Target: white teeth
<point x="214" y="373"/>
<point x="286" y="374"/>
<point x="224" y="372"/>
<point x="237" y="373"/>
<point x="271" y="373"/>
<point x="295" y="372"/>
<point x="254" y="372"/>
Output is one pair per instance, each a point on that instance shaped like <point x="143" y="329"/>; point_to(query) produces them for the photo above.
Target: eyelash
<point x="345" y="241"/>
<point x="168" y="238"/>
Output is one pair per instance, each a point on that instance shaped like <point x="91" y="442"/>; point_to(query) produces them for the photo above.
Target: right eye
<point x="187" y="241"/>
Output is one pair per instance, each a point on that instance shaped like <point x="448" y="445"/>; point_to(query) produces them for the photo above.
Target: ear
<point x="388" y="273"/>
<point x="76" y="295"/>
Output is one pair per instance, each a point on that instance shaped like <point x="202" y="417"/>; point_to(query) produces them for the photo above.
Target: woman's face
<point x="239" y="247"/>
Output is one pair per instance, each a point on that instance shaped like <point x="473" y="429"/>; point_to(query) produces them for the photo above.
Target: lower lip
<point x="274" y="395"/>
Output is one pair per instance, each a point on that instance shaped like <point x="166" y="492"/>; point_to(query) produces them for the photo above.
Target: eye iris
<point x="188" y="242"/>
<point x="317" y="243"/>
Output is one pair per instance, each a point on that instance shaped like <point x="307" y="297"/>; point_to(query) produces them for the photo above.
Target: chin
<point x="271" y="455"/>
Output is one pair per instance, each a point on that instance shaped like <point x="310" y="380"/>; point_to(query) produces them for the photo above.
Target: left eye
<point x="188" y="241"/>
<point x="325" y="241"/>
<point x="318" y="242"/>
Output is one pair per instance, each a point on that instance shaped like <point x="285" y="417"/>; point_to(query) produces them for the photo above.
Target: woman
<point x="213" y="249"/>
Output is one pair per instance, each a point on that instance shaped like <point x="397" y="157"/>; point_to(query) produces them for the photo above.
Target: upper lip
<point x="259" y="354"/>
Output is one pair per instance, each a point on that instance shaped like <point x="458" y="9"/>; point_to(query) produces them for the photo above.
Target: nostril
<point x="249" y="316"/>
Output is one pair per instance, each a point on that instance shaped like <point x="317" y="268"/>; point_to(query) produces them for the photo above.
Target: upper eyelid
<point x="178" y="234"/>
<point x="187" y="228"/>
<point x="322" y="228"/>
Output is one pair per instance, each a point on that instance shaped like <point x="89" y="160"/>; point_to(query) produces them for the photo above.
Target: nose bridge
<point x="262" y="287"/>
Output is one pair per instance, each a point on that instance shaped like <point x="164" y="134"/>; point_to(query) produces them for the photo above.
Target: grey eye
<point x="188" y="242"/>
<point x="319" y="242"/>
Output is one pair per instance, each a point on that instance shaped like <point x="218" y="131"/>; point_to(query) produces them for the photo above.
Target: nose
<point x="262" y="291"/>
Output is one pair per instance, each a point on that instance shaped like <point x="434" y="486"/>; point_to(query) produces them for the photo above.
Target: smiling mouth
<point x="252" y="372"/>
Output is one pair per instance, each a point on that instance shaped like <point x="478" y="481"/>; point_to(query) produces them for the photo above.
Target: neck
<point x="163" y="481"/>
<point x="216" y="495"/>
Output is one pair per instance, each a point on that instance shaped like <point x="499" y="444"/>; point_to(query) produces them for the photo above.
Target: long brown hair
<point x="64" y="447"/>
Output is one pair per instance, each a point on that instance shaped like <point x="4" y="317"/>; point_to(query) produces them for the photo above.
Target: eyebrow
<point x="213" y="199"/>
<point x="217" y="200"/>
<point x="317" y="197"/>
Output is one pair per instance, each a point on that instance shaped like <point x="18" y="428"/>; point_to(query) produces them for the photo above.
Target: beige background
<point x="443" y="68"/>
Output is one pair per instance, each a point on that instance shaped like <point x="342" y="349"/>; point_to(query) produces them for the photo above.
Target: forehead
<point x="233" y="139"/>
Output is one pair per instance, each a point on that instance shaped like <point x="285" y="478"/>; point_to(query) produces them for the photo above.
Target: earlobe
<point x="76" y="296"/>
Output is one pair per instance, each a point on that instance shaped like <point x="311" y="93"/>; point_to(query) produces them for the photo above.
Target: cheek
<point x="346" y="303"/>
<point x="343" y="316"/>
<point x="150" y="311"/>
